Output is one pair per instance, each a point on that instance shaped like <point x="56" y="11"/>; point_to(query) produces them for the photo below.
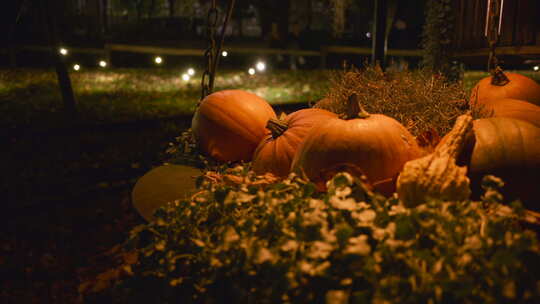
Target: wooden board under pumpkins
<point x="161" y="185"/>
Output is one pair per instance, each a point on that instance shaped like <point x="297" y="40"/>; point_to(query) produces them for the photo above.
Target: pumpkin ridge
<point x="231" y="121"/>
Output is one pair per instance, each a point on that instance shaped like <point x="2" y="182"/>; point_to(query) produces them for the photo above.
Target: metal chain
<point x="210" y="52"/>
<point x="492" y="32"/>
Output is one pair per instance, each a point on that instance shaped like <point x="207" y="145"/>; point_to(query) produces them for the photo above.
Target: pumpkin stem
<point x="355" y="109"/>
<point x="498" y="77"/>
<point x="277" y="127"/>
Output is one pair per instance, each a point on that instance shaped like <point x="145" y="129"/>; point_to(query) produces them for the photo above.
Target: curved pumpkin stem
<point x="277" y="127"/>
<point x="498" y="77"/>
<point x="355" y="109"/>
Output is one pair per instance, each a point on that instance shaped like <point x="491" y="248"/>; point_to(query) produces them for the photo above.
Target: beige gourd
<point x="437" y="175"/>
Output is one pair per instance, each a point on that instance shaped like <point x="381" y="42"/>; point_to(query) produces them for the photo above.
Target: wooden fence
<point x="158" y="50"/>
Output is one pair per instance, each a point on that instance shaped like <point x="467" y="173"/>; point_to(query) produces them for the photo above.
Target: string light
<point x="191" y="72"/>
<point x="251" y="71"/>
<point x="536" y="68"/>
<point x="261" y="66"/>
<point x="158" y="60"/>
<point x="76" y="67"/>
<point x="103" y="63"/>
<point x="224" y="53"/>
<point x="63" y="51"/>
<point x="185" y="77"/>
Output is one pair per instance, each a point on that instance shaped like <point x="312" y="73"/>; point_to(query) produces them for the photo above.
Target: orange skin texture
<point x="275" y="155"/>
<point x="508" y="148"/>
<point x="513" y="108"/>
<point x="229" y="124"/>
<point x="520" y="87"/>
<point x="377" y="147"/>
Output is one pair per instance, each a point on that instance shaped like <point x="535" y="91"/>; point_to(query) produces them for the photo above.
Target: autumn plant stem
<point x="355" y="109"/>
<point x="277" y="127"/>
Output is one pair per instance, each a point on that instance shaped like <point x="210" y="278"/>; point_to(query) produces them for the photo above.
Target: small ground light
<point x="63" y="51"/>
<point x="368" y="35"/>
<point x="224" y="53"/>
<point x="102" y="63"/>
<point x="536" y="68"/>
<point x="261" y="66"/>
<point x="191" y="72"/>
<point x="251" y="71"/>
<point x="158" y="60"/>
<point x="76" y="67"/>
<point x="185" y="77"/>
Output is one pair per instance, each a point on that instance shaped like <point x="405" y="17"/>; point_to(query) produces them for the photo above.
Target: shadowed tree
<point x="62" y="74"/>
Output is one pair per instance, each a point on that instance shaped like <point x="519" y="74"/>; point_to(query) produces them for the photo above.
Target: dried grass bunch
<point x="421" y="101"/>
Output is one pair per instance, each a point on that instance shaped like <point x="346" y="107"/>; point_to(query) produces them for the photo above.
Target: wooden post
<point x="379" y="32"/>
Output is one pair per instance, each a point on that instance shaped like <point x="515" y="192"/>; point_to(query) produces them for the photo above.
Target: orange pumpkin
<point x="228" y="125"/>
<point x="508" y="148"/>
<point x="519" y="87"/>
<point x="373" y="145"/>
<point x="275" y="152"/>
<point x="512" y="108"/>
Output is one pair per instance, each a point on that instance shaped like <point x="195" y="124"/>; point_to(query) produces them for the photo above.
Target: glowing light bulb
<point x="185" y="77"/>
<point x="368" y="35"/>
<point x="251" y="71"/>
<point x="224" y="53"/>
<point x="63" y="51"/>
<point x="191" y="72"/>
<point x="536" y="68"/>
<point x="261" y="66"/>
<point x="102" y="63"/>
<point x="158" y="60"/>
<point x="76" y="67"/>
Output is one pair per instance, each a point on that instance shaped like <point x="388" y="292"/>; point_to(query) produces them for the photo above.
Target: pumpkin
<point x="508" y="148"/>
<point x="518" y="87"/>
<point x="436" y="175"/>
<point x="276" y="151"/>
<point x="373" y="145"/>
<point x="228" y="125"/>
<point x="512" y="108"/>
<point x="161" y="185"/>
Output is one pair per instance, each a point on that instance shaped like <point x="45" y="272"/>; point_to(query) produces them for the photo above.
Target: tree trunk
<point x="62" y="74"/>
<point x="379" y="31"/>
<point x="172" y="7"/>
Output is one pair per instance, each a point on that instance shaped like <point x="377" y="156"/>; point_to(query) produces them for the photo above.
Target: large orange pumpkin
<point x="512" y="108"/>
<point x="519" y="87"/>
<point x="229" y="124"/>
<point x="373" y="145"/>
<point x="508" y="148"/>
<point x="275" y="152"/>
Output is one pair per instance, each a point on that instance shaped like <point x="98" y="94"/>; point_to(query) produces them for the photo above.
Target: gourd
<point x="517" y="87"/>
<point x="276" y="151"/>
<point x="436" y="175"/>
<point x="512" y="108"/>
<point x="161" y="185"/>
<point x="228" y="125"/>
<point x="360" y="143"/>
<point x="508" y="148"/>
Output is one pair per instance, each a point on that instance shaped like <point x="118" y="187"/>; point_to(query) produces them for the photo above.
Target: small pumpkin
<point x="512" y="108"/>
<point x="162" y="185"/>
<point x="517" y="87"/>
<point x="508" y="148"/>
<point x="436" y="175"/>
<point x="228" y="125"/>
<point x="276" y="151"/>
<point x="360" y="143"/>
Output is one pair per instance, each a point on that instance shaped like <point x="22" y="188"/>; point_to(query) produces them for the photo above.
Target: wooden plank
<point x="247" y="50"/>
<point x="367" y="51"/>
<point x="70" y="49"/>
<point x="154" y="50"/>
<point x="503" y="50"/>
